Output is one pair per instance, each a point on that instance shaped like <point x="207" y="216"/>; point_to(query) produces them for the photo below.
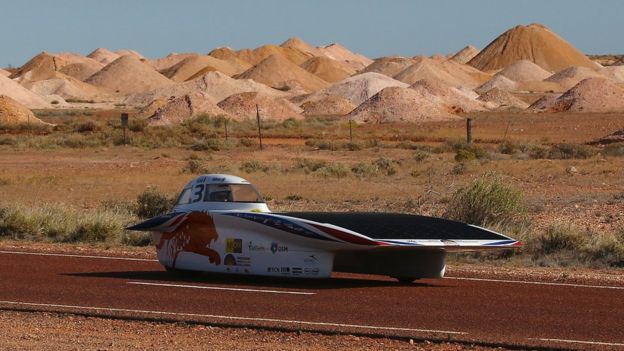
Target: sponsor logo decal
<point x="229" y="260"/>
<point x="297" y="270"/>
<point x="310" y="260"/>
<point x="255" y="247"/>
<point x="233" y="245"/>
<point x="275" y="247"/>
<point x="280" y="270"/>
<point x="311" y="271"/>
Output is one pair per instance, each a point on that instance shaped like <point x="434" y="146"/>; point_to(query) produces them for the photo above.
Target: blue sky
<point x="374" y="28"/>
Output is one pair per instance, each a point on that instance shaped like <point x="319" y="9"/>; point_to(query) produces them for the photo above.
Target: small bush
<point x="246" y="142"/>
<point x="468" y="152"/>
<point x="309" y="165"/>
<point x="421" y="155"/>
<point x="333" y="170"/>
<point x="87" y="127"/>
<point x="570" y="151"/>
<point x="210" y="144"/>
<point x="465" y="155"/>
<point x="605" y="249"/>
<point x="614" y="149"/>
<point x="294" y="197"/>
<point x="556" y="238"/>
<point x="486" y="200"/>
<point x="253" y="166"/>
<point x="194" y="166"/>
<point x="137" y="125"/>
<point x="152" y="202"/>
<point x="321" y="144"/>
<point x="363" y="170"/>
<point x="385" y="165"/>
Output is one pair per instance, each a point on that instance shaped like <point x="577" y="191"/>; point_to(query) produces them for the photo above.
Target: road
<point x="533" y="314"/>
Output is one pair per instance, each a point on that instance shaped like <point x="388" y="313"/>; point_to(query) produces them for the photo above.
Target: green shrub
<point x="194" y="166"/>
<point x="294" y="197"/>
<point x="333" y="170"/>
<point x="486" y="200"/>
<point x="309" y="165"/>
<point x="467" y="152"/>
<point x="614" y="149"/>
<point x="421" y="155"/>
<point x="362" y="170"/>
<point x="321" y="144"/>
<point x="210" y="144"/>
<point x="570" y="151"/>
<point x="246" y="142"/>
<point x="385" y="165"/>
<point x="253" y="166"/>
<point x="465" y="155"/>
<point x="152" y="202"/>
<point x="556" y="238"/>
<point x="137" y="125"/>
<point x="605" y="249"/>
<point x="87" y="127"/>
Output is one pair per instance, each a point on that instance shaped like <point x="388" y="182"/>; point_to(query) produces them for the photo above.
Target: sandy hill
<point x="571" y="76"/>
<point x="12" y="112"/>
<point x="68" y="88"/>
<point x="450" y="96"/>
<point x="223" y="53"/>
<point x="4" y="73"/>
<point x="216" y="84"/>
<point x="243" y="106"/>
<point x="275" y="70"/>
<point x="186" y="107"/>
<point x="82" y="70"/>
<point x="128" y="75"/>
<point x="535" y="43"/>
<point x="14" y="90"/>
<point x="395" y="104"/>
<point x="502" y="99"/>
<point x="124" y="52"/>
<point x="327" y="69"/>
<point x="466" y="54"/>
<point x="299" y="44"/>
<point x="191" y="66"/>
<point x="257" y="55"/>
<point x="390" y="65"/>
<point x="615" y="73"/>
<point x="103" y="55"/>
<point x="447" y="71"/>
<point x="338" y="52"/>
<point x="590" y="95"/>
<point x="524" y="71"/>
<point x="499" y="82"/>
<point x="331" y="105"/>
<point x="42" y="66"/>
<point x="163" y="63"/>
<point x="358" y="88"/>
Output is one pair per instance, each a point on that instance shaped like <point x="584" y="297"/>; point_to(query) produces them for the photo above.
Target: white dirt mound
<point x="446" y="71"/>
<point x="103" y="55"/>
<point x="450" y="96"/>
<point x="68" y="88"/>
<point x="327" y="69"/>
<point x="571" y="76"/>
<point x="275" y="70"/>
<point x="243" y="106"/>
<point x="124" y="52"/>
<point x="499" y="82"/>
<point x="12" y="112"/>
<point x="615" y="73"/>
<point x="466" y="54"/>
<point x="331" y="105"/>
<point x="257" y="55"/>
<point x="524" y="71"/>
<point x="358" y="88"/>
<point x="190" y="66"/>
<point x="535" y="43"/>
<point x="395" y="104"/>
<point x="128" y="75"/>
<point x="4" y="73"/>
<point x="12" y="89"/>
<point x="163" y="63"/>
<point x="82" y="70"/>
<point x="590" y="95"/>
<point x="181" y="109"/>
<point x="390" y="65"/>
<point x="338" y="52"/>
<point x="503" y="99"/>
<point x="215" y="84"/>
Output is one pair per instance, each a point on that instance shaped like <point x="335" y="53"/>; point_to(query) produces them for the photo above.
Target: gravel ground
<point x="52" y="331"/>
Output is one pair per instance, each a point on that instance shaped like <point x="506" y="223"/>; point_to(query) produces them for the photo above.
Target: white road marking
<point x="581" y="342"/>
<point x="77" y="256"/>
<point x="224" y="288"/>
<point x="538" y="283"/>
<point x="253" y="319"/>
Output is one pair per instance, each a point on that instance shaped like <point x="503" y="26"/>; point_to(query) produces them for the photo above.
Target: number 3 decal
<point x="199" y="190"/>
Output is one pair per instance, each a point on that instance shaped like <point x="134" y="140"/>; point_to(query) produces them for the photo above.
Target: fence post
<point x="124" y="125"/>
<point x="226" y="130"/>
<point x="469" y="130"/>
<point x="350" y="131"/>
<point x="259" y="125"/>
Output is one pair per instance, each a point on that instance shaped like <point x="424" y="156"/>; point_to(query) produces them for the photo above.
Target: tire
<point x="405" y="280"/>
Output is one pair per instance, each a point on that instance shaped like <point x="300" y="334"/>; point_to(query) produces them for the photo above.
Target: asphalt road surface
<point x="493" y="311"/>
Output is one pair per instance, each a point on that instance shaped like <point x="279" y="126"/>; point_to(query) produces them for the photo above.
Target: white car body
<point x="210" y="230"/>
